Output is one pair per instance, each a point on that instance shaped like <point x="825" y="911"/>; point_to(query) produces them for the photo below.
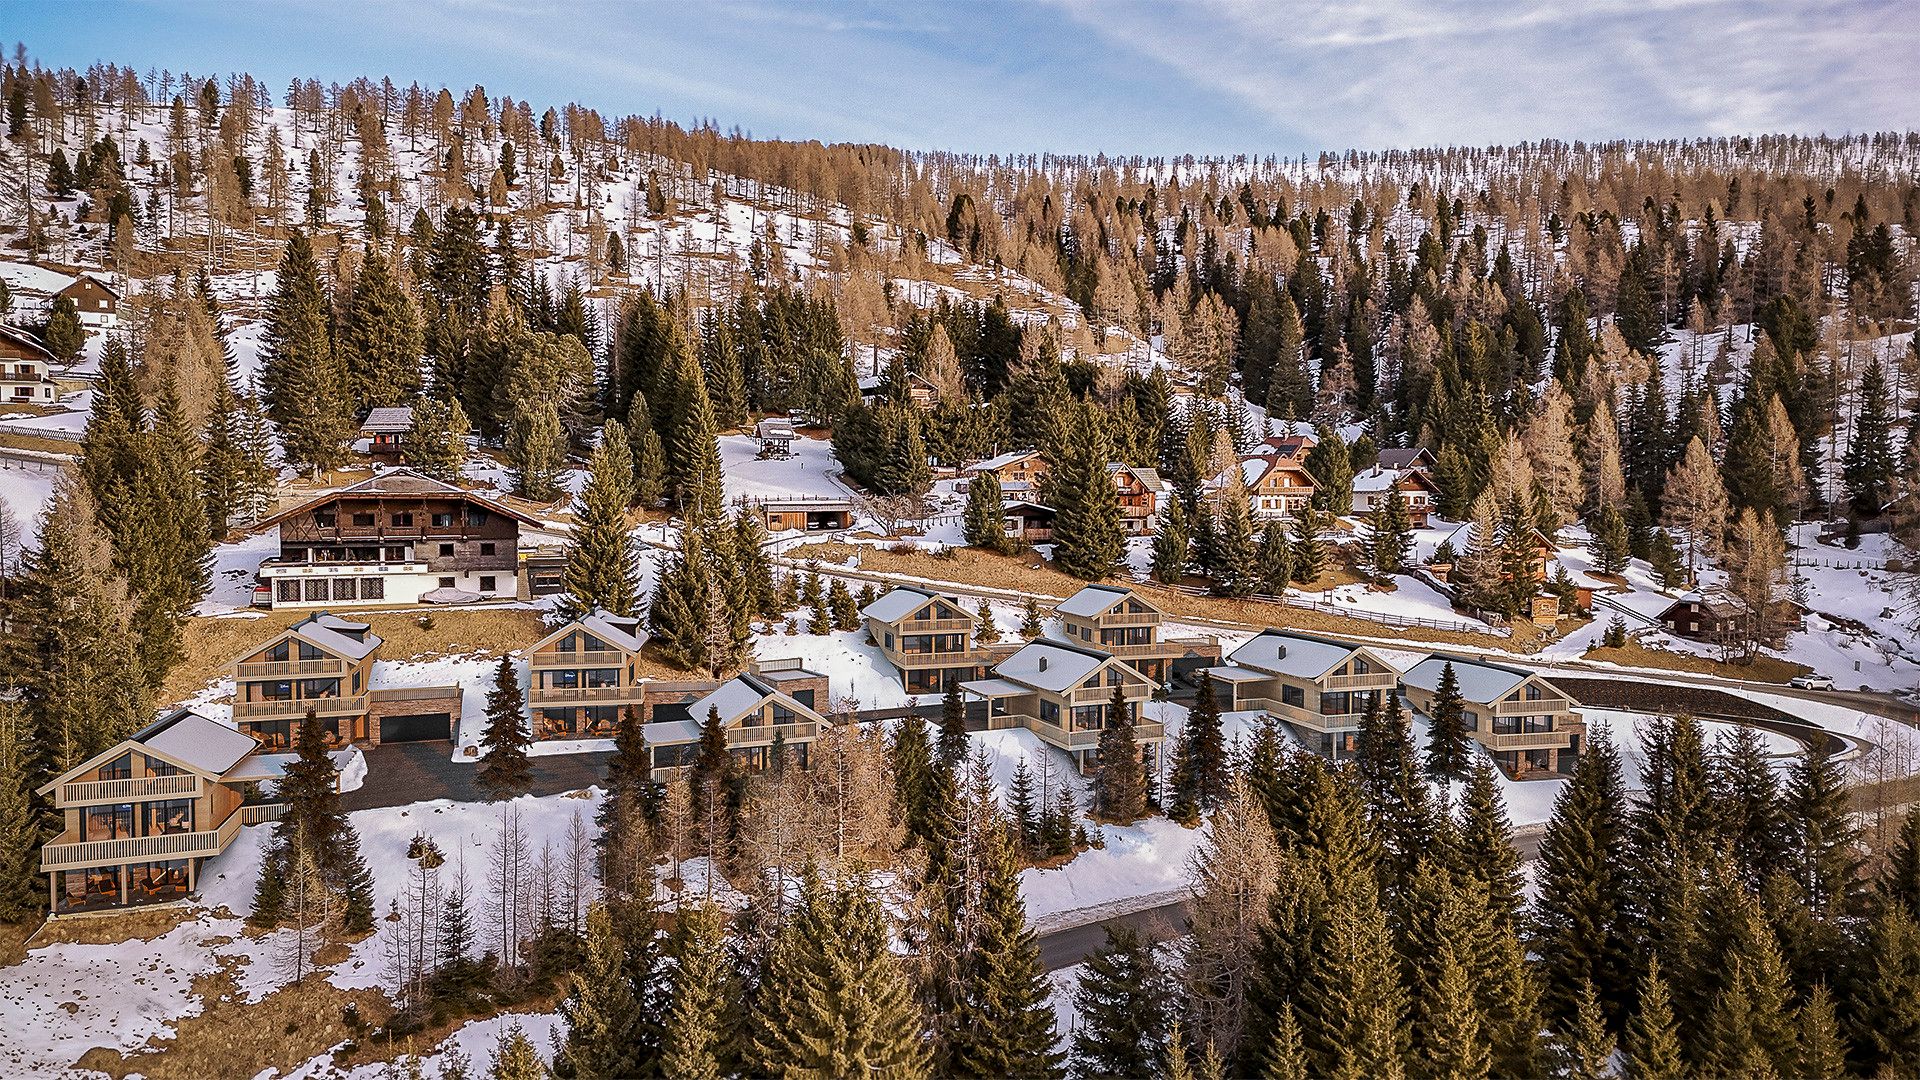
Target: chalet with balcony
<point x="1024" y="519"/>
<point x="1526" y="723"/>
<point x="1023" y="475"/>
<point x="1418" y="457"/>
<point x="1120" y="622"/>
<point x="26" y="369"/>
<point x="385" y="430"/>
<point x="322" y="663"/>
<point x="141" y="819"/>
<point x="399" y="537"/>
<point x="1319" y="688"/>
<point x="1372" y="489"/>
<point x="763" y="712"/>
<point x="583" y="676"/>
<point x="1277" y="487"/>
<point x="1061" y="692"/>
<point x="929" y="638"/>
<point x="1292" y="447"/>
<point x="1020" y="472"/>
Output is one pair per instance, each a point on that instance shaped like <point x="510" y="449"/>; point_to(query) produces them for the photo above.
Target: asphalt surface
<point x="401" y="773"/>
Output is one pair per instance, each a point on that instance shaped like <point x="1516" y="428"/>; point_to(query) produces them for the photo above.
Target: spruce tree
<point x="436" y="439"/>
<point x="64" y="336"/>
<point x="1899" y="883"/>
<point x="314" y="820"/>
<point x="1581" y="901"/>
<point x="1170" y="546"/>
<point x="649" y="455"/>
<point x="699" y="1039"/>
<point x="1583" y="1043"/>
<point x="22" y="888"/>
<point x="913" y="782"/>
<point x="535" y="450"/>
<point x="1119" y="780"/>
<point x="1822" y="1050"/>
<point x="711" y="788"/>
<point x="306" y="391"/>
<point x="681" y="604"/>
<point x="1275" y="559"/>
<point x="1199" y="779"/>
<point x="602" y="566"/>
<point x="600" y="1011"/>
<point x="1123" y="1004"/>
<point x="1389" y="774"/>
<point x="1308" y="554"/>
<point x="1448" y="748"/>
<point x="1609" y="546"/>
<point x="1652" y="1046"/>
<point x="953" y="728"/>
<point x="1023" y="813"/>
<point x="1391" y="545"/>
<point x="981" y="524"/>
<point x="1030" y="624"/>
<point x="1003" y="1025"/>
<point x="381" y="340"/>
<point x="1822" y="836"/>
<point x="845" y="1005"/>
<point x="504" y="771"/>
<point x="1483" y="846"/>
<point x="1089" y="537"/>
<point x="1235" y="564"/>
<point x="1871" y="461"/>
<point x="1884" y="1002"/>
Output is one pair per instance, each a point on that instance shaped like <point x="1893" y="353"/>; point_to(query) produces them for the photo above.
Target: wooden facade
<point x="778" y="706"/>
<point x="26" y="369"/>
<point x="322" y="663"/>
<point x="1119" y="621"/>
<point x="94" y="301"/>
<point x="931" y="639"/>
<point x="1063" y="693"/>
<point x="583" y="677"/>
<point x="1318" y="687"/>
<point x="1526" y="723"/>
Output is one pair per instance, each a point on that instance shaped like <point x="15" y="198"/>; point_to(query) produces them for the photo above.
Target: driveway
<point x="401" y="773"/>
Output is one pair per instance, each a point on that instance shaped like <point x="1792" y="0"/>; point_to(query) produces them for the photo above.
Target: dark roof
<point x="399" y="482"/>
<point x="26" y="341"/>
<point x="1405" y="459"/>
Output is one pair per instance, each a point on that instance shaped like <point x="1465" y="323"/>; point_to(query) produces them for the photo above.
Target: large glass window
<point x="1050" y="713"/>
<point x="1293" y="695"/>
<point x="119" y="768"/>
<point x="601" y="678"/>
<point x="319" y="688"/>
<point x="113" y="821"/>
<point x="153" y="882"/>
<point x="98" y="886"/>
<point x="273" y="734"/>
<point x="172" y="816"/>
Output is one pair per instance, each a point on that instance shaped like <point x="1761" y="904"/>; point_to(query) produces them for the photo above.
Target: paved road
<point x="401" y="773"/>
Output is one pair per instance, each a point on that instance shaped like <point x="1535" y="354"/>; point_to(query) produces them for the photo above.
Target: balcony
<point x="1541" y="707"/>
<point x="1373" y="680"/>
<point x="550" y="695"/>
<point x="260" y="813"/>
<point x="1126" y="618"/>
<point x="275" y="568"/>
<point x="91" y="792"/>
<point x="936" y="626"/>
<point x="1087" y="738"/>
<point x="579" y="658"/>
<point x="67" y="855"/>
<point x="276" y="669"/>
<point x="296" y="708"/>
<point x="1525" y="740"/>
<point x="1308" y="718"/>
<point x="764" y="734"/>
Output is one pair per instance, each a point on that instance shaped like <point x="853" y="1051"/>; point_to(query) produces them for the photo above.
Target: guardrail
<point x="86" y="853"/>
<point x="83" y="792"/>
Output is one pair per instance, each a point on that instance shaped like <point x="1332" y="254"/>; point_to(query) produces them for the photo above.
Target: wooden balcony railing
<point x="1085" y="738"/>
<point x="579" y="658"/>
<point x="257" y="813"/>
<point x="1525" y="740"/>
<point x="936" y="626"/>
<point x="90" y="792"/>
<point x="548" y="695"/>
<point x="140" y="849"/>
<point x="295" y="708"/>
<point x="1374" y="680"/>
<point x="763" y="734"/>
<point x="1542" y="707"/>
<point x="274" y="669"/>
<point x="1307" y="718"/>
<point x="1135" y="618"/>
<point x="1100" y="695"/>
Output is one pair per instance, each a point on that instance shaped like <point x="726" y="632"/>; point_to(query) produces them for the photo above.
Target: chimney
<point x="1043" y="663"/>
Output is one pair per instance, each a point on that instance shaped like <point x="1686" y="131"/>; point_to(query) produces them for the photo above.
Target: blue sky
<point x="1219" y="77"/>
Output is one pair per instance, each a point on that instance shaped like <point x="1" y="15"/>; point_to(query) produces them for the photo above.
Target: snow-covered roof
<point x="897" y="604"/>
<point x="1376" y="479"/>
<point x="734" y="699"/>
<point x="195" y="741"/>
<point x="671" y="732"/>
<point x="388" y="419"/>
<point x="27" y="278"/>
<point x="1051" y="666"/>
<point x="774" y="427"/>
<point x="620" y="631"/>
<point x="1282" y="652"/>
<point x="341" y="637"/>
<point x="993" y="688"/>
<point x="258" y="767"/>
<point x="1480" y="682"/>
<point x="1230" y="673"/>
<point x="401" y="481"/>
<point x="1001" y="461"/>
<point x="1093" y="600"/>
<point x="24" y="340"/>
<point x="1404" y="459"/>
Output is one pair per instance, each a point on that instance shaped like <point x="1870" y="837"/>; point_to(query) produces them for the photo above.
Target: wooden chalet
<point x="399" y="537"/>
<point x="96" y="302"/>
<point x="322" y="663"/>
<point x="385" y="430"/>
<point x="26" y="369"/>
<point x="930" y="639"/>
<point x="1120" y="622"/>
<point x="806" y="513"/>
<point x="773" y="708"/>
<point x="584" y="675"/>
<point x="1319" y="688"/>
<point x="1373" y="487"/>
<point x="1062" y="692"/>
<point x="776" y="436"/>
<point x="1525" y="722"/>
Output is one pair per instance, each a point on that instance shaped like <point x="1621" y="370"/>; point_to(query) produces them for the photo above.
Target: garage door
<point x="416" y="727"/>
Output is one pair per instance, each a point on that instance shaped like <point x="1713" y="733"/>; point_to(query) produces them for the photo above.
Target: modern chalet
<point x="141" y="819"/>
<point x="1061" y="693"/>
<point x="399" y="537"/>
<point x="1525" y="722"/>
<point x="931" y="639"/>
<point x="1119" y="621"/>
<point x="773" y="708"/>
<point x="582" y="676"/>
<point x="26" y="369"/>
<point x="322" y="663"/>
<point x="1319" y="688"/>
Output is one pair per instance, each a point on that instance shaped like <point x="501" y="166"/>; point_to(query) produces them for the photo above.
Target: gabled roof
<point x="1093" y="600"/>
<point x="183" y="738"/>
<point x="342" y="637"/>
<point x="28" y="342"/>
<point x="621" y="632"/>
<point x="774" y="427"/>
<point x="399" y="482"/>
<point x="97" y="280"/>
<point x="1416" y="457"/>
<point x="1054" y="666"/>
<point x="899" y="602"/>
<point x="1288" y="652"/>
<point x="1385" y="477"/>
<point x="1481" y="682"/>
<point x="388" y="419"/>
<point x="741" y="695"/>
<point x="1001" y="461"/>
<point x="1256" y="468"/>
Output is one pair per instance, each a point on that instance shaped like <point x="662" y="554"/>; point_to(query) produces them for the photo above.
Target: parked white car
<point x="1811" y="682"/>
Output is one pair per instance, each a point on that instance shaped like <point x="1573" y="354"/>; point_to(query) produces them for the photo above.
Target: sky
<point x="1217" y="77"/>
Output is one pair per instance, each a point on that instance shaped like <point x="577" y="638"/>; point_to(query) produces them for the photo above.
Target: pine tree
<point x="913" y="777"/>
<point x="1822" y="1051"/>
<point x="65" y="337"/>
<point x="1023" y="813"/>
<point x="1234" y="566"/>
<point x="846" y="1009"/>
<point x="1389" y="774"/>
<point x="1004" y="1023"/>
<point x="845" y="613"/>
<point x="953" y="729"/>
<point x="678" y="612"/>
<point x="699" y="1040"/>
<point x="981" y="524"/>
<point x="987" y="628"/>
<point x="602" y="566"/>
<point x="236" y="471"/>
<point x="649" y="456"/>
<point x="306" y="391"/>
<point x="313" y="825"/>
<point x="1276" y="559"/>
<point x="1483" y="847"/>
<point x="1899" y="883"/>
<point x="1872" y="461"/>
<point x="1122" y="1001"/>
<point x="1885" y="999"/>
<point x="437" y="439"/>
<point x="504" y="771"/>
<point x="1608" y="545"/>
<point x="1170" y="546"/>
<point x="1664" y="559"/>
<point x="515" y="1058"/>
<point x="536" y="449"/>
<point x="381" y="340"/>
<point x="1448" y="751"/>
<point x="1578" y="932"/>
<point x="1119" y="784"/>
<point x="690" y="432"/>
<point x="711" y="785"/>
<point x="600" y="1011"/>
<point x="22" y="889"/>
<point x="1089" y="537"/>
<point x="1653" y="1046"/>
<point x="1391" y="544"/>
<point x="1584" y="1043"/>
<point x="1307" y="551"/>
<point x="1030" y="624"/>
<point x="1200" y="778"/>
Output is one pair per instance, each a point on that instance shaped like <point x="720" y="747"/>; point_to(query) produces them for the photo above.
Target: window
<point x="403" y="520"/>
<point x="446" y="551"/>
<point x="317" y="589"/>
<point x="111" y="822"/>
<point x="804" y="697"/>
<point x="602" y="677"/>
<point x="324" y="520"/>
<point x="120" y="768"/>
<point x="443" y="521"/>
<point x="364" y="520"/>
<point x="373" y="588"/>
<point x="1050" y="713"/>
<point x="157" y="881"/>
<point x="273" y="734"/>
<point x="487" y="583"/>
<point x="446" y="583"/>
<point x="346" y="588"/>
<point x="476" y="518"/>
<point x="279" y="652"/>
<point x="171" y="816"/>
<point x="356" y="682"/>
<point x="320" y="688"/>
<point x="286" y="591"/>
<point x="1293" y="695"/>
<point x="311" y="652"/>
<point x="487" y="549"/>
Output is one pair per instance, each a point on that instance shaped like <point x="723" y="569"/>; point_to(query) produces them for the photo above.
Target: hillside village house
<point x="1278" y="488"/>
<point x="772" y="708"/>
<point x="1292" y="448"/>
<point x="323" y="663"/>
<point x="776" y="436"/>
<point x="1118" y="621"/>
<point x="1402" y="459"/>
<point x="806" y="513"/>
<point x="95" y="302"/>
<point x="141" y="819"/>
<point x="1060" y="692"/>
<point x="1022" y="473"/>
<point x="1319" y="688"/>
<point x="35" y="288"/>
<point x="929" y="638"/>
<point x="399" y="537"/>
<point x="1526" y="723"/>
<point x="583" y="675"/>
<point x="1462" y="539"/>
<point x="26" y="369"/>
<point x="1024" y="519"/>
<point x="1716" y="617"/>
<point x="385" y="430"/>
<point x="921" y="392"/>
<point x="1372" y="488"/>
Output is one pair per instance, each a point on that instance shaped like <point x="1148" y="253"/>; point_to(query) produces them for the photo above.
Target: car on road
<point x="1811" y="682"/>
